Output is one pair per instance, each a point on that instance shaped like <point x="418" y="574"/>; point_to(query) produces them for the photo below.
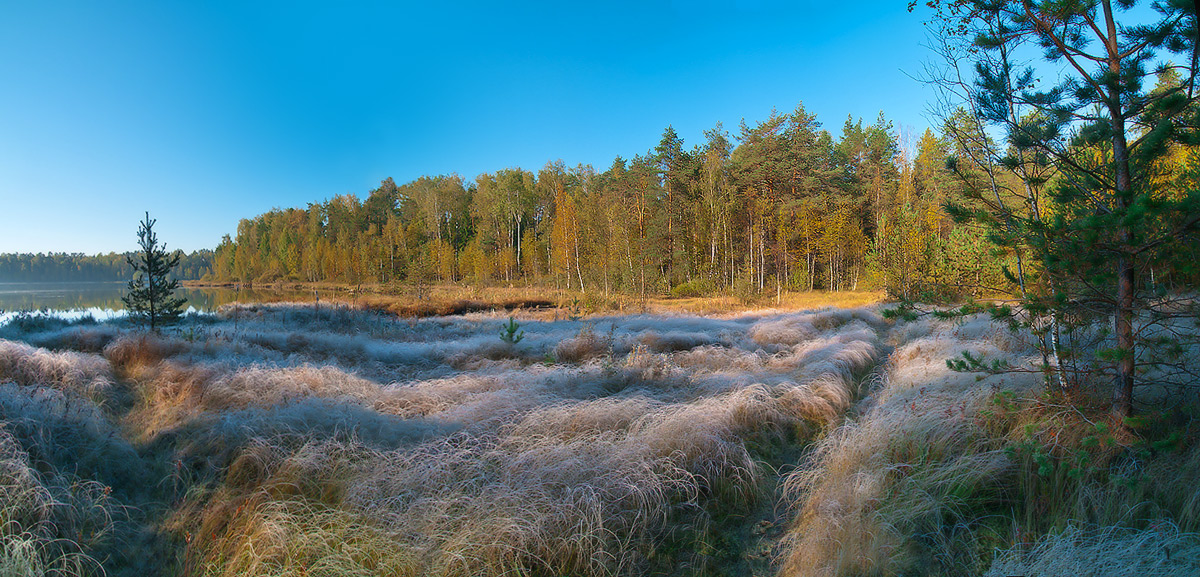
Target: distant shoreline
<point x="29" y="282"/>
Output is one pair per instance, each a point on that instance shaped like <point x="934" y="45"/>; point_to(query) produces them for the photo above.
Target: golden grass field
<point x="683" y="437"/>
<point x="445" y="299"/>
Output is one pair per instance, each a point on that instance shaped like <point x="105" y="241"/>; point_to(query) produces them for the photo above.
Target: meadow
<point x="330" y="439"/>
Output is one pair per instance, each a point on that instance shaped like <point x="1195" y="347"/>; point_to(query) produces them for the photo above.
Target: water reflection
<point x="102" y="300"/>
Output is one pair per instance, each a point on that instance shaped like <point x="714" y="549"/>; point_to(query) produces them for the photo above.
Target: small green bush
<point x="694" y="288"/>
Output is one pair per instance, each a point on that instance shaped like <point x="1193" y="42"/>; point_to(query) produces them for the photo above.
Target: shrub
<point x="697" y="287"/>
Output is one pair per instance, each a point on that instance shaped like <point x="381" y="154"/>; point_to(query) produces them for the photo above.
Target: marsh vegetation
<point x="291" y="439"/>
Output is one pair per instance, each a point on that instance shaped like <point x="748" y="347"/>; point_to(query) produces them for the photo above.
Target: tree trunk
<point x="578" y="267"/>
<point x="1123" y="387"/>
<point x="1123" y="315"/>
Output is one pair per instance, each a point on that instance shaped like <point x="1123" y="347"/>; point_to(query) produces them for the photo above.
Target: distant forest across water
<point x="78" y="267"/>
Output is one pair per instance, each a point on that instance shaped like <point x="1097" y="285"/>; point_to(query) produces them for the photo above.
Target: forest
<point x="78" y="267"/>
<point x="780" y="206"/>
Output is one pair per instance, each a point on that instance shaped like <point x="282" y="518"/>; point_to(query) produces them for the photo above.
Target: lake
<point x="102" y="300"/>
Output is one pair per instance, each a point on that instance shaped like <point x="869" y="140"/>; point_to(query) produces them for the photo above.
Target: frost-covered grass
<point x="49" y="519"/>
<point x="284" y="439"/>
<point x="515" y="457"/>
<point x="301" y="440"/>
<point x="87" y="374"/>
<point x="1160" y="550"/>
<point x="942" y="470"/>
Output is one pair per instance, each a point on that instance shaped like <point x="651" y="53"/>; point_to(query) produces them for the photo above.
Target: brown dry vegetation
<point x="455" y="299"/>
<point x="332" y="440"/>
<point x="944" y="469"/>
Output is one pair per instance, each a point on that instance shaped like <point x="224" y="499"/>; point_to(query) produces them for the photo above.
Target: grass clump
<point x="85" y="374"/>
<point x="1081" y="550"/>
<point x="280" y="512"/>
<point x="48" y="520"/>
<point x="135" y="352"/>
<point x="584" y="346"/>
<point x="948" y="463"/>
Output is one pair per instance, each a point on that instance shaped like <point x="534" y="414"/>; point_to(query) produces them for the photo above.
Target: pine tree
<point x="1085" y="150"/>
<point x="151" y="291"/>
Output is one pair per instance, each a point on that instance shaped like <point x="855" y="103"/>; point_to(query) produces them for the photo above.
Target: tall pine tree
<point x="1086" y="149"/>
<point x="151" y="297"/>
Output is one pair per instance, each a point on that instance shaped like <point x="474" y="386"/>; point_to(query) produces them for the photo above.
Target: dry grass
<point x="586" y="345"/>
<point x="587" y="499"/>
<point x="636" y="435"/>
<point x="916" y="462"/>
<point x="942" y="466"/>
<point x="718" y="305"/>
<point x="1094" y="551"/>
<point x="175" y="393"/>
<point x="81" y="373"/>
<point x="47" y="520"/>
<point x="341" y="440"/>
<point x="440" y="300"/>
<point x="278" y="514"/>
<point x="134" y="352"/>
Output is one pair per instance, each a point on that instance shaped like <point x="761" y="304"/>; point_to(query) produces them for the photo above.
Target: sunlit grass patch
<point x="916" y="463"/>
<point x="85" y="374"/>
<point x="944" y="466"/>
<point x="137" y="351"/>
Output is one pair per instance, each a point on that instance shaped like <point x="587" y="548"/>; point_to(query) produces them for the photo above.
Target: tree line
<point x="78" y="267"/>
<point x="780" y="205"/>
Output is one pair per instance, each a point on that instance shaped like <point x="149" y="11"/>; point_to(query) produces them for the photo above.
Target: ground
<point x="344" y="439"/>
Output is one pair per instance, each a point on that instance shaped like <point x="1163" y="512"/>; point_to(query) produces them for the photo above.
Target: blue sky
<point x="204" y="113"/>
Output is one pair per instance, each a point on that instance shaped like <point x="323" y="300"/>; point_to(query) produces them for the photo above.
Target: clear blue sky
<point x="204" y="113"/>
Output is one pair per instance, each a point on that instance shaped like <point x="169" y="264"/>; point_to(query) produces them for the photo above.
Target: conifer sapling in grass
<point x="508" y="332"/>
<point x="151" y="292"/>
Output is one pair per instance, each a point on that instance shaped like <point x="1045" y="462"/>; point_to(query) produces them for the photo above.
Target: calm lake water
<point x="102" y="300"/>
